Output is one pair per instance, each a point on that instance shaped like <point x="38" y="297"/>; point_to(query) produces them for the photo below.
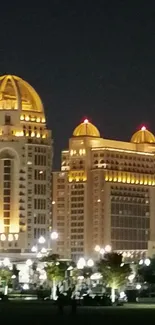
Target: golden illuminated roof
<point x="143" y="136"/>
<point x="86" y="129"/>
<point x="16" y="93"/>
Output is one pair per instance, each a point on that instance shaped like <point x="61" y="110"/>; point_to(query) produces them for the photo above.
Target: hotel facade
<point x="25" y="167"/>
<point x="104" y="194"/>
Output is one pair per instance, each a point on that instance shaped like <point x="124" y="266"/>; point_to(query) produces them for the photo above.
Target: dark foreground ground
<point x="38" y="313"/>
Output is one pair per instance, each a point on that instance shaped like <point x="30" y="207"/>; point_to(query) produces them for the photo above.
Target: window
<point x="7" y="119"/>
<point x="7" y="162"/>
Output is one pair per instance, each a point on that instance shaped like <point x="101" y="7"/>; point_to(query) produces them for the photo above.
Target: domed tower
<point x="143" y="136"/>
<point x="86" y="129"/>
<point x="25" y="164"/>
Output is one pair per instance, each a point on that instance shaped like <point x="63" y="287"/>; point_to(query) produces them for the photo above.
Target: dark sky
<point x="84" y="58"/>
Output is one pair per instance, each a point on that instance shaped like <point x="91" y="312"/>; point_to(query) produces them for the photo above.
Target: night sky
<point x="92" y="59"/>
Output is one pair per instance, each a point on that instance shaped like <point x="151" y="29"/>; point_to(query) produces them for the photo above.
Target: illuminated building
<point x="25" y="166"/>
<point x="105" y="194"/>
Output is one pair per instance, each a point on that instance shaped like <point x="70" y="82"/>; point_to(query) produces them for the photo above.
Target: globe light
<point x="81" y="263"/>
<point x="131" y="277"/>
<point x="138" y="286"/>
<point x="141" y="262"/>
<point x="96" y="276"/>
<point x="70" y="268"/>
<point x="90" y="263"/>
<point x="102" y="251"/>
<point x="25" y="286"/>
<point x="6" y="261"/>
<point x="108" y="248"/>
<point x="28" y="262"/>
<point x="39" y="255"/>
<point x="34" y="249"/>
<point x="147" y="262"/>
<point x="43" y="250"/>
<point x="97" y="248"/>
<point x="54" y="235"/>
<point x="41" y="240"/>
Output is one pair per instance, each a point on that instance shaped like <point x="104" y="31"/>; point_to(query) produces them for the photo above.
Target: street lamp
<point x="147" y="262"/>
<point x="34" y="249"/>
<point x="43" y="250"/>
<point x="41" y="240"/>
<point x="81" y="263"/>
<point x="102" y="251"/>
<point x="6" y="261"/>
<point x="39" y="255"/>
<point x="54" y="235"/>
<point x="108" y="248"/>
<point x="90" y="263"/>
<point x="29" y="262"/>
<point x="97" y="248"/>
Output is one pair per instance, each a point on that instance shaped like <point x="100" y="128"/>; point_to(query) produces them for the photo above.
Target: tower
<point x="25" y="165"/>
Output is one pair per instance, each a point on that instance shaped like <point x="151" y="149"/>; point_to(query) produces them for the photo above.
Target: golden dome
<point x="17" y="94"/>
<point x="143" y="136"/>
<point x="86" y="129"/>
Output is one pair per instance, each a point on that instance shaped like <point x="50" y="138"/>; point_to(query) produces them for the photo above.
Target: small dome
<point x="17" y="94"/>
<point x="86" y="129"/>
<point x="143" y="136"/>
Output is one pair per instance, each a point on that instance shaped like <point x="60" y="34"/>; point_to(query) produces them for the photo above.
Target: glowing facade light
<point x="54" y="235"/>
<point x="10" y="237"/>
<point x="16" y="236"/>
<point x="3" y="237"/>
<point x="86" y="121"/>
<point x="143" y="128"/>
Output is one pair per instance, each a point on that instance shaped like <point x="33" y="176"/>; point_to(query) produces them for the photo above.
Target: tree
<point x="147" y="273"/>
<point x="5" y="277"/>
<point x="55" y="270"/>
<point x="114" y="272"/>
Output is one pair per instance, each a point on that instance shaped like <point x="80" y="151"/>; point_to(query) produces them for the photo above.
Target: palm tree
<point x="55" y="270"/>
<point x="114" y="272"/>
<point x="5" y="277"/>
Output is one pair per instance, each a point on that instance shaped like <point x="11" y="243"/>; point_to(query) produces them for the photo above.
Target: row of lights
<point x="82" y="263"/>
<point x="10" y="237"/>
<point x="33" y="134"/>
<point x="103" y="250"/>
<point x="32" y="119"/>
<point x="42" y="240"/>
